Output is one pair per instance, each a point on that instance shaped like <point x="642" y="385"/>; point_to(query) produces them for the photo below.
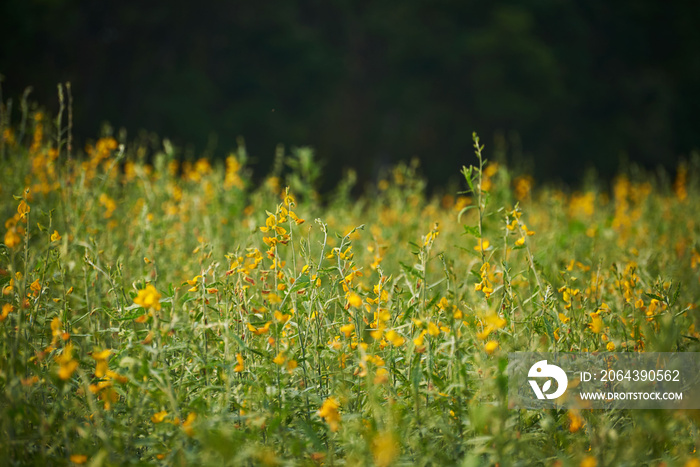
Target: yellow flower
<point x="596" y="323"/>
<point x="66" y="370"/>
<point x="377" y="333"/>
<point x="117" y="377"/>
<point x="56" y="326"/>
<point x="194" y="280"/>
<point x="23" y="209"/>
<point x="482" y="245"/>
<point x="274" y="299"/>
<point x="494" y="321"/>
<point x="433" y="330"/>
<point x="103" y="355"/>
<point x="6" y="310"/>
<point x="270" y="222"/>
<point x="7" y="290"/>
<point x="109" y="204"/>
<point x="66" y="362"/>
<point x="347" y="329"/>
<point x="55" y="236"/>
<point x="9" y="136"/>
<point x="490" y="347"/>
<point x="443" y="303"/>
<point x="282" y="317"/>
<point x="329" y="412"/>
<point x="430" y="237"/>
<point x="78" y="458"/>
<point x="354" y="299"/>
<point x="523" y="185"/>
<point x="610" y="346"/>
<point x="589" y="461"/>
<point x="395" y="338"/>
<point x="384" y="449"/>
<point x="12" y="239"/>
<point x="148" y="298"/>
<point x="159" y="417"/>
<point x="289" y="199"/>
<point x="582" y="205"/>
<point x="101" y="366"/>
<point x="187" y="424"/>
<point x="575" y="421"/>
<point x="382" y="376"/>
<point x="232" y="178"/>
<point x="491" y="169"/>
<point x="335" y="344"/>
<point x="420" y="340"/>
<point x="279" y="359"/>
<point x="280" y="230"/>
<point x="259" y="331"/>
<point x="240" y="367"/>
<point x="296" y="218"/>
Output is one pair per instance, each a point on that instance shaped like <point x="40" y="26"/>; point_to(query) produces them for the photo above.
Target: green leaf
<point x="463" y="210"/>
<point x="471" y="230"/>
<point x="399" y="375"/>
<point x="409" y="313"/>
<point x="548" y="326"/>
<point x="437" y="381"/>
<point x="311" y="434"/>
<point x="467" y="172"/>
<point x="416" y="374"/>
<point x="675" y="295"/>
<point x="410" y="270"/>
<point x="301" y="282"/>
<point x="654" y="296"/>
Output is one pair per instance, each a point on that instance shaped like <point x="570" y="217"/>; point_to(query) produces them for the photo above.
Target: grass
<point x="166" y="313"/>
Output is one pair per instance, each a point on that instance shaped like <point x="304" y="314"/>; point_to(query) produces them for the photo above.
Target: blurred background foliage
<point x="557" y="85"/>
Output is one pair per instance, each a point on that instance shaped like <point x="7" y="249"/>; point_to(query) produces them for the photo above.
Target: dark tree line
<point x="566" y="83"/>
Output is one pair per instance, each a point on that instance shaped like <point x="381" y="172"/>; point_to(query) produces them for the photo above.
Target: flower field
<point x="177" y="313"/>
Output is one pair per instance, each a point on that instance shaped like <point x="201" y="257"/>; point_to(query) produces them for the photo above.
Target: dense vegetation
<point x="176" y="313"/>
